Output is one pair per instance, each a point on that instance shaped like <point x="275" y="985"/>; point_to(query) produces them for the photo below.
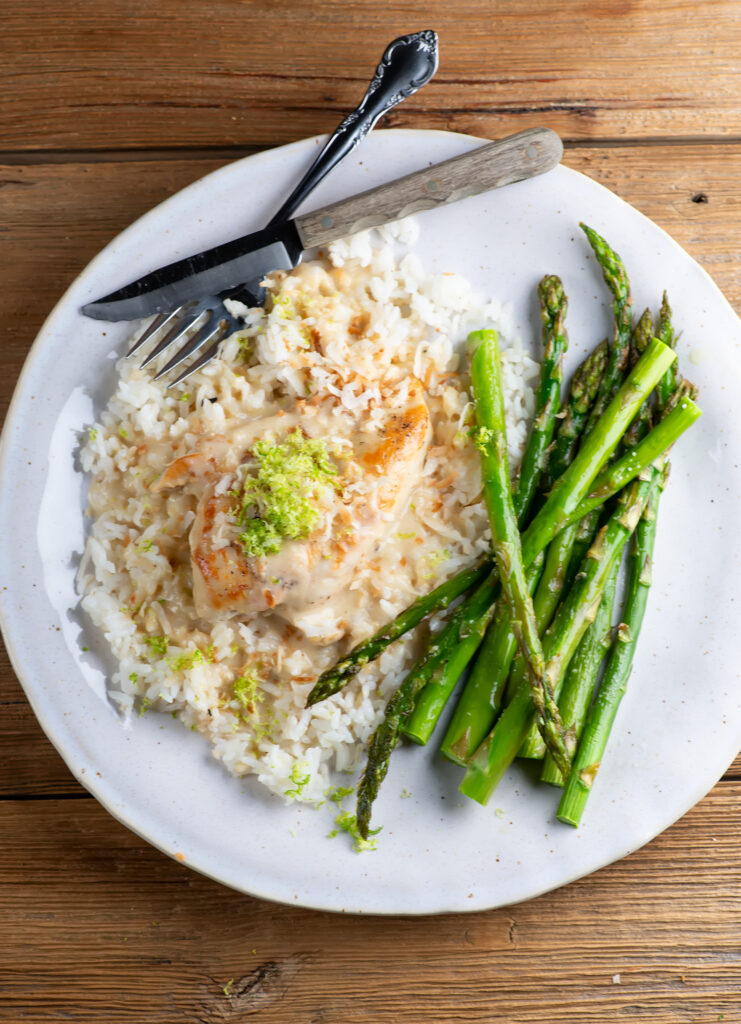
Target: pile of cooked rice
<point x="243" y="682"/>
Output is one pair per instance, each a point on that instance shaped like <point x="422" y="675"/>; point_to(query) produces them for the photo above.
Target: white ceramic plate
<point x="680" y="723"/>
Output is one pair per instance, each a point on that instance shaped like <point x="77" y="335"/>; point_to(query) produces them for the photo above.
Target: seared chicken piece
<point x="375" y="485"/>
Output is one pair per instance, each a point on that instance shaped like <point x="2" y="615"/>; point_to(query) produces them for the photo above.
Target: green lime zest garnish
<point x="299" y="776"/>
<point x="158" y="644"/>
<point x="338" y="793"/>
<point x="346" y="822"/>
<point x="185" y="661"/>
<point x="278" y="496"/>
<point x="246" y="691"/>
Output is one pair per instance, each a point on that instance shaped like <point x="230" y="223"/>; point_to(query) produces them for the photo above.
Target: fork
<point x="408" y="63"/>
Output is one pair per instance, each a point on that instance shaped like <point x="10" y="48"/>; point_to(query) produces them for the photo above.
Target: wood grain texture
<point x="104" y="111"/>
<point x="177" y="73"/>
<point x="95" y="926"/>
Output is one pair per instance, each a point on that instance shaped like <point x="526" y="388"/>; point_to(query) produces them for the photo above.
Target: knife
<point x="281" y="246"/>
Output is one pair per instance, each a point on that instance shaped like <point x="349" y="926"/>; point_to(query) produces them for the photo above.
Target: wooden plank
<point x="97" y="926"/>
<point x="56" y="216"/>
<point x="29" y="764"/>
<point x="170" y="74"/>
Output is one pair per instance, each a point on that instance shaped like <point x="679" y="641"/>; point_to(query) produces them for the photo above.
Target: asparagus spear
<point x="335" y="678"/>
<point x="585" y="531"/>
<point x="669" y="382"/>
<point x="553" y="306"/>
<point x="581" y="677"/>
<point x="496" y="753"/>
<point x="642" y="334"/>
<point x="582" y="393"/>
<point x="617" y="281"/>
<point x="481" y="700"/>
<point x="433" y="698"/>
<point x="641" y="337"/>
<point x="602" y="715"/>
<point x="486" y="382"/>
<point x="564" y="501"/>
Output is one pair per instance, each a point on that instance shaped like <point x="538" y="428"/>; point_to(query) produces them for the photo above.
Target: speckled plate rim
<point x="722" y="755"/>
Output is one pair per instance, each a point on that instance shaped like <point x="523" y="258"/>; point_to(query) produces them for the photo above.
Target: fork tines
<point x="187" y="322"/>
<point x="212" y="330"/>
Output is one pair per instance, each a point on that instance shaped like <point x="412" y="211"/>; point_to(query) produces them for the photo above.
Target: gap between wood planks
<point x="19" y="157"/>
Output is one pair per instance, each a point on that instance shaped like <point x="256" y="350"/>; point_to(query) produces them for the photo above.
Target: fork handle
<point x="408" y="63"/>
<point x="514" y="158"/>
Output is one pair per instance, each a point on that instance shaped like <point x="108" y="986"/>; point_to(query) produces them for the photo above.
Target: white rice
<point x="134" y="575"/>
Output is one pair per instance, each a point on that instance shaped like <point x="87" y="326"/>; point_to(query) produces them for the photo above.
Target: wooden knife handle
<point x="514" y="158"/>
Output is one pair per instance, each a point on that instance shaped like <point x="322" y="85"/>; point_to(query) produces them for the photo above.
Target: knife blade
<point x="280" y="247"/>
<point x="207" y="273"/>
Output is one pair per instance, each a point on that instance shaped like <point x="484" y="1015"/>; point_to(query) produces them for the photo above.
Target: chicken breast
<point x="375" y="479"/>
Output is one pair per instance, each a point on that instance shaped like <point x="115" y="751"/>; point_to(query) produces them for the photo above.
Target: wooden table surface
<point x="106" y="109"/>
